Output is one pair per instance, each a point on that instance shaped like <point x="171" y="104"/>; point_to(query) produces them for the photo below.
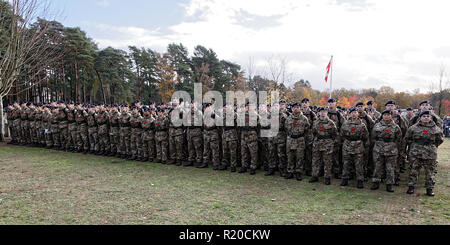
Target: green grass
<point x="39" y="186"/>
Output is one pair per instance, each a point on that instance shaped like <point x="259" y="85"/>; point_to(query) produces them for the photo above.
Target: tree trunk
<point x="2" y="123"/>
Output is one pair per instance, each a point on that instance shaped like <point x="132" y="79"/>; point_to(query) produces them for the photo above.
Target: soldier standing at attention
<point x="264" y="124"/>
<point x="16" y="123"/>
<point x="211" y="140"/>
<point x="10" y="117"/>
<point x="63" y="125"/>
<point x="306" y="110"/>
<point x="249" y="139"/>
<point x="230" y="137"/>
<point x="47" y="121"/>
<point x="195" y="137"/>
<point x="409" y="115"/>
<point x="136" y="134"/>
<point x="298" y="136"/>
<point x="148" y="136"/>
<point x="176" y="135"/>
<point x="114" y="134"/>
<point x="103" y="130"/>
<point x="24" y="124"/>
<point x="92" y="130"/>
<point x="370" y="123"/>
<point x="423" y="140"/>
<point x="338" y="120"/>
<point x="356" y="139"/>
<point x="387" y="136"/>
<point x="161" y="136"/>
<point x="325" y="133"/>
<point x="71" y="142"/>
<point x="370" y="109"/>
<point x="125" y="131"/>
<point x="82" y="129"/>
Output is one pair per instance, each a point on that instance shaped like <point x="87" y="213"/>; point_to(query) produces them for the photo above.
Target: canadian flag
<point x="328" y="70"/>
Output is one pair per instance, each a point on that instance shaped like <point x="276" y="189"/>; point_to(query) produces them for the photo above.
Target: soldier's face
<point x="354" y="114"/>
<point x="305" y="105"/>
<point x="332" y="105"/>
<point x="360" y="108"/>
<point x="387" y="116"/>
<point x="390" y="107"/>
<point x="296" y="109"/>
<point x="425" y="118"/>
<point x="323" y="114"/>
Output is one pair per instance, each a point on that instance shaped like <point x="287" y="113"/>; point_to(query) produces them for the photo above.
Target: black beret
<point x="369" y="102"/>
<point x="339" y="107"/>
<point x="295" y="104"/>
<point x="137" y="101"/>
<point x="71" y="103"/>
<point x="29" y="103"/>
<point x="305" y="100"/>
<point x="322" y="109"/>
<point x="409" y="109"/>
<point x="390" y="102"/>
<point x="386" y="112"/>
<point x="60" y="102"/>
<point x="101" y="103"/>
<point x="424" y="102"/>
<point x="115" y="105"/>
<point x="424" y="113"/>
<point x="359" y="104"/>
<point x="124" y="105"/>
<point x="282" y="102"/>
<point x="332" y="100"/>
<point x="352" y="109"/>
<point x="78" y="103"/>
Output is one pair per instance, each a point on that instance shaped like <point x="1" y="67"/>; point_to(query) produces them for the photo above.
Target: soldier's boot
<point x="313" y="180"/>
<point x="171" y="161"/>
<point x="327" y="181"/>
<point x="203" y="165"/>
<point x="360" y="184"/>
<point x="375" y="186"/>
<point x="188" y="164"/>
<point x="215" y="168"/>
<point x="266" y="168"/>
<point x="389" y="188"/>
<point x="298" y="176"/>
<point x="410" y="190"/>
<point x="337" y="176"/>
<point x="308" y="173"/>
<point x="179" y="163"/>
<point x="233" y="169"/>
<point x="223" y="168"/>
<point x="289" y="176"/>
<point x="270" y="172"/>
<point x="243" y="170"/>
<point x="101" y="152"/>
<point x="282" y="173"/>
<point x="430" y="192"/>
<point x="252" y="171"/>
<point x="396" y="182"/>
<point x="344" y="182"/>
<point x="158" y="161"/>
<point x="150" y="159"/>
<point x="352" y="176"/>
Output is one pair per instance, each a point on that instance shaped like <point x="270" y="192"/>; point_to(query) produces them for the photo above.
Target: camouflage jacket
<point x="114" y="118"/>
<point x="355" y="136"/>
<point x="162" y="123"/>
<point x="70" y="115"/>
<point x="325" y="133"/>
<point x="423" y="140"/>
<point x="102" y="117"/>
<point x="80" y="116"/>
<point x="124" y="119"/>
<point x="298" y="125"/>
<point x="135" y="120"/>
<point x="337" y="118"/>
<point x="147" y="123"/>
<point x="91" y="119"/>
<point x="387" y="138"/>
<point x="311" y="116"/>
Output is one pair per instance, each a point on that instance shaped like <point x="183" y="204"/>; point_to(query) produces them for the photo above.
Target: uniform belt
<point x="320" y="137"/>
<point x="385" y="140"/>
<point x="352" y="139"/>
<point x="296" y="136"/>
<point x="210" y="129"/>
<point x="162" y="130"/>
<point x="229" y="128"/>
<point x="195" y="127"/>
<point x="424" y="142"/>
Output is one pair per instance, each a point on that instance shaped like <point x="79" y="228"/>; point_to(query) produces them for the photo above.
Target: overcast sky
<point x="399" y="43"/>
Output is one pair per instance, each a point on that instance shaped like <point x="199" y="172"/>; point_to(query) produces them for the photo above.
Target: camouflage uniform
<point x="71" y="143"/>
<point x="176" y="139"/>
<point x="277" y="146"/>
<point x="264" y="148"/>
<point x="338" y="120"/>
<point x="161" y="137"/>
<point x="56" y="133"/>
<point x="401" y="122"/>
<point x="308" y="150"/>
<point x="423" y="141"/>
<point x="10" y="117"/>
<point x="298" y="136"/>
<point x="368" y="151"/>
<point x="16" y="124"/>
<point x="387" y="138"/>
<point x="63" y="127"/>
<point x="92" y="132"/>
<point x="230" y="141"/>
<point x="249" y="143"/>
<point x="325" y="133"/>
<point x="32" y="127"/>
<point x="211" y="141"/>
<point x="103" y="131"/>
<point x="47" y="122"/>
<point x="136" y="136"/>
<point x="24" y="126"/>
<point x="82" y="130"/>
<point x="148" y="137"/>
<point x="39" y="128"/>
<point x="124" y="133"/>
<point x="195" y="139"/>
<point x="114" y="132"/>
<point x="356" y="139"/>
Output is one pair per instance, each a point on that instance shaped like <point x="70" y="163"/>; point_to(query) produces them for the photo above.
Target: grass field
<point x="39" y="186"/>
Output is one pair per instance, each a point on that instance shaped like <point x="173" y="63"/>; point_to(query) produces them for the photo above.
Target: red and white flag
<point x="328" y="70"/>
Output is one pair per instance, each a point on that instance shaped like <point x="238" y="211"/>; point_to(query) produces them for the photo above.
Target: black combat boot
<point x="410" y="190"/>
<point x="243" y="170"/>
<point x="215" y="168"/>
<point x="203" y="165"/>
<point x="375" y="186"/>
<point x="327" y="181"/>
<point x="270" y="172"/>
<point x="360" y="184"/>
<point x="188" y="164"/>
<point x="430" y="192"/>
<point x="308" y="173"/>
<point x="298" y="176"/>
<point x="337" y="176"/>
<point x="223" y="168"/>
<point x="344" y="182"/>
<point x="101" y="153"/>
<point x="132" y="158"/>
<point x="158" y="161"/>
<point x="178" y="164"/>
<point x="150" y="159"/>
<point x="233" y="169"/>
<point x="252" y="171"/>
<point x="171" y="161"/>
<point x="389" y="188"/>
<point x="313" y="180"/>
<point x="289" y="176"/>
<point x="282" y="173"/>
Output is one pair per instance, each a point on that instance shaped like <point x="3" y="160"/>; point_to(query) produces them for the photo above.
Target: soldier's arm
<point x="439" y="138"/>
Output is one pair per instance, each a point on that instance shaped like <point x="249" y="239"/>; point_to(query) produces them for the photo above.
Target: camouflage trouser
<point x="231" y="148"/>
<point x="195" y="145"/>
<point x="277" y="149"/>
<point x="56" y="135"/>
<point x="350" y="160"/>
<point x="337" y="159"/>
<point x="25" y="132"/>
<point x="249" y="149"/>
<point x="308" y="159"/>
<point x="124" y="143"/>
<point x="264" y="152"/>
<point x="148" y="144"/>
<point x="162" y="145"/>
<point x="16" y="132"/>
<point x="114" y="139"/>
<point x="384" y="163"/>
<point x="322" y="159"/>
<point x="415" y="165"/>
<point x="211" y="147"/>
<point x="370" y="167"/>
<point x="12" y="132"/>
<point x="93" y="138"/>
<point x="401" y="160"/>
<point x="32" y="129"/>
<point x="42" y="139"/>
<point x="176" y="140"/>
<point x="48" y="138"/>
<point x="64" y="133"/>
<point x="72" y="136"/>
<point x="136" y="142"/>
<point x="295" y="154"/>
<point x="82" y="137"/>
<point x="103" y="138"/>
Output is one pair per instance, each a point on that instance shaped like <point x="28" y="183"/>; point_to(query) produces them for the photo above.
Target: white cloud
<point x="375" y="42"/>
<point x="103" y="3"/>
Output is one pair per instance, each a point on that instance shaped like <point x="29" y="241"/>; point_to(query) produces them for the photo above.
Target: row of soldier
<point x="359" y="143"/>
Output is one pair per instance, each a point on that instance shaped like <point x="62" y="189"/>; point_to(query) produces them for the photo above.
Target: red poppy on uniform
<point x="321" y="127"/>
<point x="387" y="131"/>
<point x="145" y="122"/>
<point x="89" y="119"/>
<point x="353" y="130"/>
<point x="295" y="124"/>
<point x="121" y="119"/>
<point x="425" y="131"/>
<point x="158" y="124"/>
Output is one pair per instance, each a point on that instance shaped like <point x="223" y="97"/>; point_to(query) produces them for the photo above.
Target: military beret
<point x="305" y="100"/>
<point x="332" y="100"/>
<point x="137" y="101"/>
<point x="29" y="103"/>
<point x="295" y="104"/>
<point x="386" y="112"/>
<point x="283" y="102"/>
<point x="424" y="102"/>
<point x="359" y="104"/>
<point x="369" y="102"/>
<point x="390" y="102"/>
<point x="339" y="107"/>
<point x="115" y="105"/>
<point x="60" y="102"/>
<point x="409" y="109"/>
<point x="322" y="109"/>
<point x="101" y="103"/>
<point x="352" y="109"/>
<point x="424" y="113"/>
<point x="124" y="105"/>
<point x="78" y="103"/>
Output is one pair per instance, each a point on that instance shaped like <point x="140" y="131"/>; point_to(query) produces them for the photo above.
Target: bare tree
<point x="26" y="48"/>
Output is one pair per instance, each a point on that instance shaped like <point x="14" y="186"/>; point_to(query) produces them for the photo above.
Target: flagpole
<point x="331" y="77"/>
